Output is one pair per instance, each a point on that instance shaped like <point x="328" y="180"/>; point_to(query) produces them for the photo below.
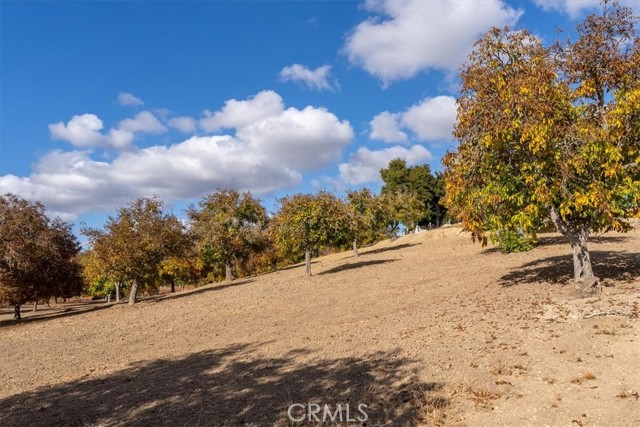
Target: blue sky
<point x="105" y="101"/>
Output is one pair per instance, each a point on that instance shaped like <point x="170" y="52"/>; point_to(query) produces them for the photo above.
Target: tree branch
<point x="631" y="165"/>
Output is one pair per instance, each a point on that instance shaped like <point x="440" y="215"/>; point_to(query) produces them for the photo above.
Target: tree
<point x="37" y="255"/>
<point x="401" y="208"/>
<point x="228" y="226"/>
<point x="306" y="222"/>
<point x="420" y="181"/>
<point x="365" y="216"/>
<point x="550" y="135"/>
<point x="178" y="270"/>
<point x="134" y="243"/>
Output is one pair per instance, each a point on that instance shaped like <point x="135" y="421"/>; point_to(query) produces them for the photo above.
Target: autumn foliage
<point x="550" y="135"/>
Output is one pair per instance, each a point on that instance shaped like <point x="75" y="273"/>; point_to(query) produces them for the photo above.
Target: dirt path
<point x="428" y="330"/>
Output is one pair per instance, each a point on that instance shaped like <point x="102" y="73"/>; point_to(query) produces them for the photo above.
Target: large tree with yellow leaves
<point x="550" y="135"/>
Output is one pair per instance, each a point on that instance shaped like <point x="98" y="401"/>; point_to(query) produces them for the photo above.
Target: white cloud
<point x="84" y="131"/>
<point x="403" y="38"/>
<point x="125" y="98"/>
<point x="144" y="122"/>
<point x="308" y="139"/>
<point x="270" y="153"/>
<point x="184" y="124"/>
<point x="315" y="79"/>
<point x="237" y="114"/>
<point x="365" y="164"/>
<point x="386" y="127"/>
<point x="432" y="119"/>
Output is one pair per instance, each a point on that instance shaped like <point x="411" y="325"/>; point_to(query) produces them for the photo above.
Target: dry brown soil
<point x="427" y="330"/>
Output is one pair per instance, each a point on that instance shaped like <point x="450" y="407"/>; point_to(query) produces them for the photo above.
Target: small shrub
<point x="511" y="241"/>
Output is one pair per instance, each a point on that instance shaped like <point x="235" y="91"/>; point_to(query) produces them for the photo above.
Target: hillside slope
<point x="427" y="330"/>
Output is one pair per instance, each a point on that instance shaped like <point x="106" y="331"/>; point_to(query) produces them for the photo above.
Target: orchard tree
<point x="550" y="135"/>
<point x="401" y="208"/>
<point x="365" y="216"/>
<point x="134" y="243"/>
<point x="228" y="226"/>
<point x="419" y="180"/>
<point x="306" y="222"/>
<point x="38" y="257"/>
<point x="179" y="270"/>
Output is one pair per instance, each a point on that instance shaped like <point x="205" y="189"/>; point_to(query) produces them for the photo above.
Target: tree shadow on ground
<point x="353" y="265"/>
<point x="563" y="241"/>
<point x="389" y="248"/>
<point x="54" y="312"/>
<point x="608" y="265"/>
<point x="208" y="288"/>
<point x="291" y="267"/>
<point x="227" y="387"/>
<point x="74" y="309"/>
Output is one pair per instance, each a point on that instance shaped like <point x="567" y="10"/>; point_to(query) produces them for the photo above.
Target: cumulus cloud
<point x="84" y="131"/>
<point x="307" y="139"/>
<point x="317" y="79"/>
<point x="125" y="98"/>
<point x="432" y="119"/>
<point x="144" y="122"/>
<point x="403" y="38"/>
<point x="365" y="164"/>
<point x="268" y="154"/>
<point x="237" y="114"/>
<point x="184" y="124"/>
<point x="386" y="127"/>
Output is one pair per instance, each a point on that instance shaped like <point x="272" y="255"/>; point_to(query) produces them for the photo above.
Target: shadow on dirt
<point x="227" y="387"/>
<point x="388" y="248"/>
<point x="56" y="311"/>
<point x="608" y="265"/>
<point x="74" y="309"/>
<point x="563" y="241"/>
<point x="354" y="265"/>
<point x="209" y="288"/>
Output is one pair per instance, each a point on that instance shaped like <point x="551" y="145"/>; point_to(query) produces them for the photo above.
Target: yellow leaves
<point x="532" y="210"/>
<point x="581" y="199"/>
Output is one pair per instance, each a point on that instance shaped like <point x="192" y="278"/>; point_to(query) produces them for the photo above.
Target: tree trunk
<point x="134" y="293"/>
<point x="228" y="272"/>
<point x="118" y="292"/>
<point x="35" y="306"/>
<point x="355" y="248"/>
<point x="173" y="285"/>
<point x="586" y="282"/>
<point x="581" y="260"/>
<point x="307" y="262"/>
<point x="16" y="312"/>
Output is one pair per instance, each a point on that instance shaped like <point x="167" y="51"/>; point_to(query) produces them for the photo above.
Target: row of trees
<point x="143" y="246"/>
<point x="229" y="233"/>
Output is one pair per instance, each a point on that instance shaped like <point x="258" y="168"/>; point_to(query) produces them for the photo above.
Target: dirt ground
<point x="428" y="330"/>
